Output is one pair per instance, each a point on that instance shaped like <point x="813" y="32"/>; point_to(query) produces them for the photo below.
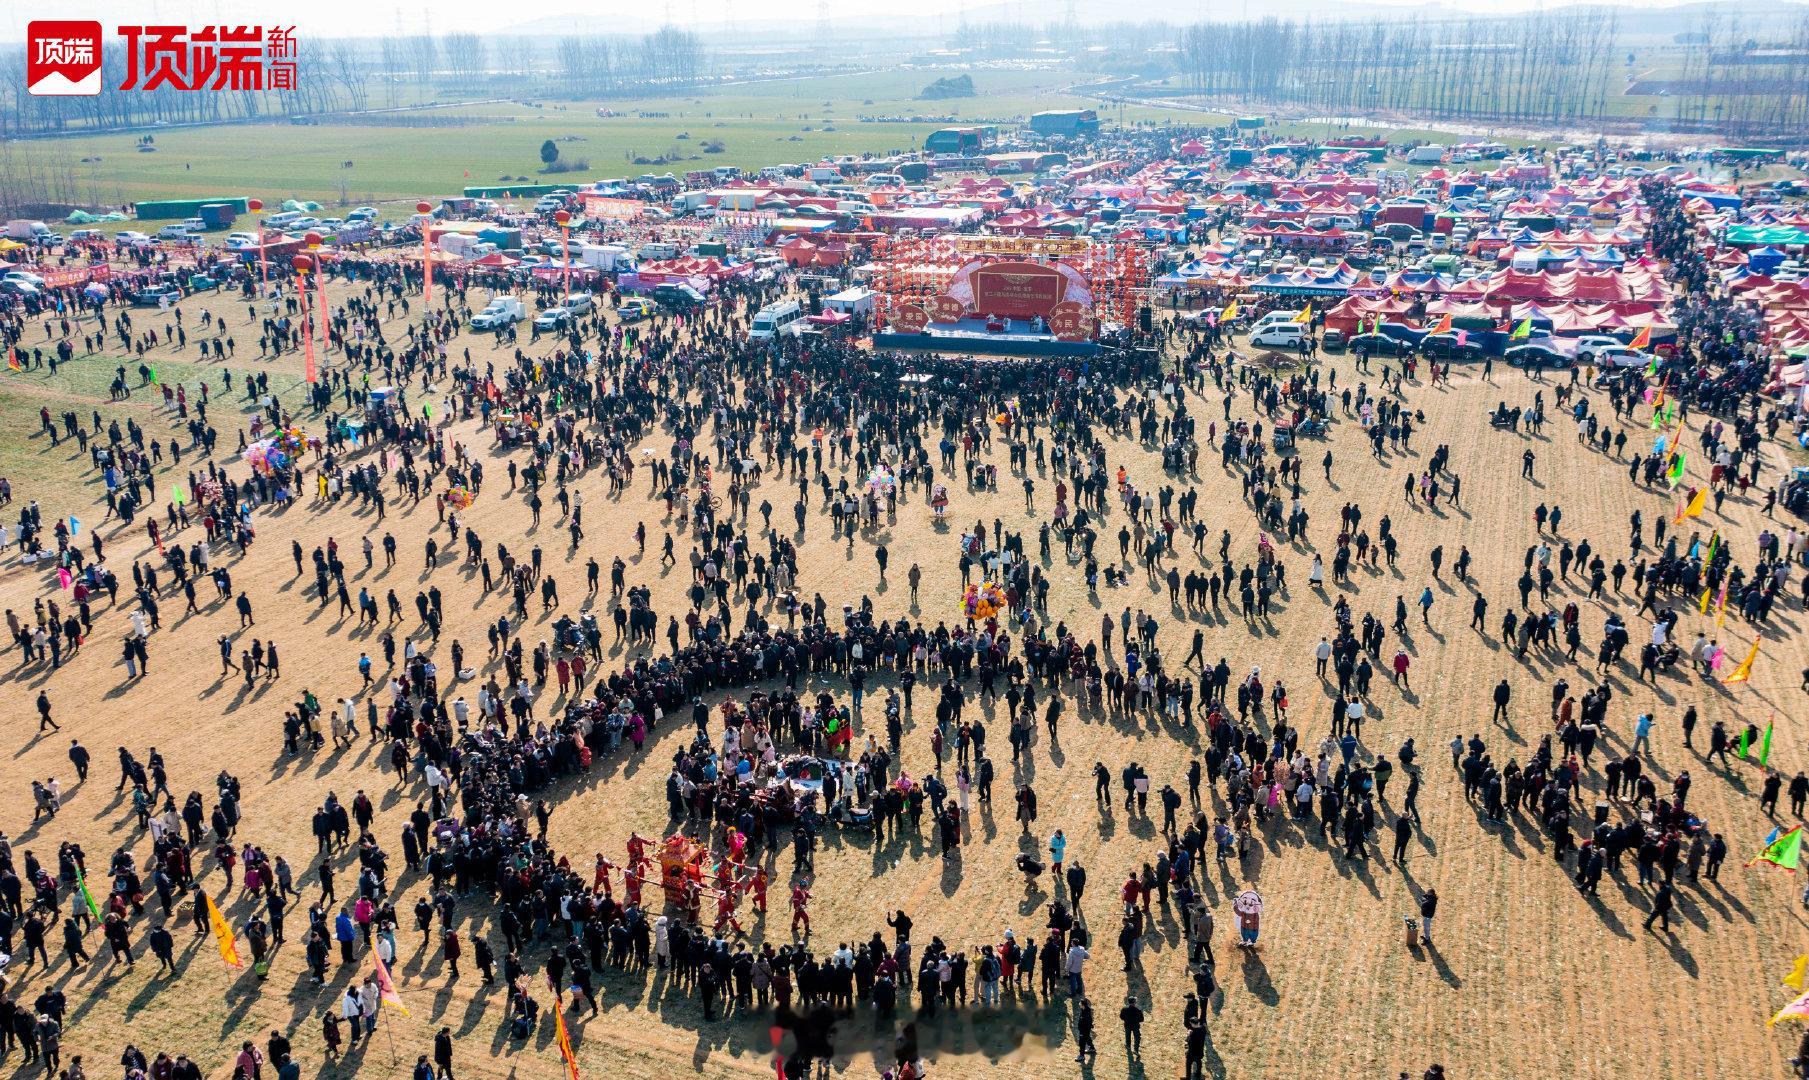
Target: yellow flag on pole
<point x="229" y="946"/>
<point x="1697" y="504"/>
<point x="565" y="1043"/>
<point x="1797" y="972"/>
<point x="1744" y="671"/>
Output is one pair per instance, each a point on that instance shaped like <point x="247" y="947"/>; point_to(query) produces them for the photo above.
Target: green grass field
<point x="758" y="124"/>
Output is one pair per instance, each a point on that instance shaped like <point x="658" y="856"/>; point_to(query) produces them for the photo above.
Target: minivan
<point x="283" y="220"/>
<point x="1274" y="318"/>
<point x="775" y="319"/>
<point x="1278" y="336"/>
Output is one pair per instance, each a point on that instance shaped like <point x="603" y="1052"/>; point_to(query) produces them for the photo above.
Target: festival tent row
<point x="1349" y="316"/>
<point x="1771" y="236"/>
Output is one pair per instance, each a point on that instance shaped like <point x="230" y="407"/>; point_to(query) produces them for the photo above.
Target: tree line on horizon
<point x="355" y="75"/>
<point x="1549" y="67"/>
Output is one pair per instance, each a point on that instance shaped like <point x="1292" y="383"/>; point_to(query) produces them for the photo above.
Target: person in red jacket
<point x="452" y="949"/>
<point x="800" y="907"/>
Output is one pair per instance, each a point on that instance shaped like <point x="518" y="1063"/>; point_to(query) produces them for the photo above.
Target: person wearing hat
<point x="1196" y="1048"/>
<point x="1199" y="932"/>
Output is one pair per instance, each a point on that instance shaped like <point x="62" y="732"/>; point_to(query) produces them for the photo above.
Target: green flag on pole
<point x="81" y="882"/>
<point x="1782" y="849"/>
<point x="1765" y="745"/>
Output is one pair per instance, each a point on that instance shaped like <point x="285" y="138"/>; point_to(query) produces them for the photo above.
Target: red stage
<point x="1069" y="287"/>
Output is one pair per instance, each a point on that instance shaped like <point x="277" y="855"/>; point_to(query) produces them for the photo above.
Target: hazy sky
<point x="335" y="18"/>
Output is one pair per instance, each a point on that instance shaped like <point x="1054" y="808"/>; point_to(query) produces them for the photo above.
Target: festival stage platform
<point x="974" y="337"/>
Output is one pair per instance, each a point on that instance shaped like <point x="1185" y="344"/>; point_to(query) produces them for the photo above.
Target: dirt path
<point x="1528" y="978"/>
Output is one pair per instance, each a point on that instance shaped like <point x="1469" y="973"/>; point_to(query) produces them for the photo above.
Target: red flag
<point x="386" y="987"/>
<point x="1641" y="340"/>
<point x="565" y="1043"/>
<point x="1443" y="327"/>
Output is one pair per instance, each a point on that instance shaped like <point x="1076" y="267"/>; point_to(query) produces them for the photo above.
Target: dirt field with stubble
<point x="1528" y="978"/>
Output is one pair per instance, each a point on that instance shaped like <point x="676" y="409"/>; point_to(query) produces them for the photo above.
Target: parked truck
<point x="605" y="257"/>
<point x="24" y="229"/>
<point x="500" y="313"/>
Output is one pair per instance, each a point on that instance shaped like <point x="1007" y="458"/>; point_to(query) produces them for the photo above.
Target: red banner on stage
<point x="1017" y="290"/>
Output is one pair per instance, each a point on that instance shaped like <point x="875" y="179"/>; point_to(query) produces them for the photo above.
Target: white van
<point x="775" y="319"/>
<point x="1275" y="318"/>
<point x="1278" y="336"/>
<point x="283" y="220"/>
<point x="658" y="251"/>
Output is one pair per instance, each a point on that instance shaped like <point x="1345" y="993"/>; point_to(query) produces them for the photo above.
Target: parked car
<point x="1278" y="336"/>
<point x="636" y="308"/>
<point x="1590" y="344"/>
<point x="552" y="319"/>
<point x="1378" y="344"/>
<point x="1445" y="347"/>
<point x="499" y="314"/>
<point x="156" y="295"/>
<point x="1538" y="354"/>
<point x="1619" y="357"/>
<point x="678" y="297"/>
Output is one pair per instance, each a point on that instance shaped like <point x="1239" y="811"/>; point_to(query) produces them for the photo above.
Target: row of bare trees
<point x="341" y="76"/>
<point x="1744" y="86"/>
<point x="660" y="62"/>
<point x="330" y="76"/>
<point x="1557" y="67"/>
